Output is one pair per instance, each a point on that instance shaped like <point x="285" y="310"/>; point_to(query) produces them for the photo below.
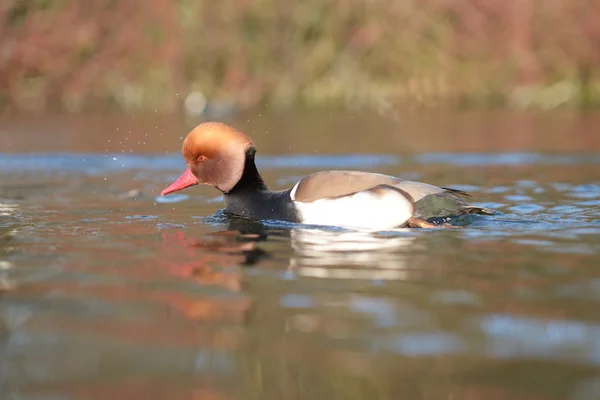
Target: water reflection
<point x="320" y="252"/>
<point x="340" y="254"/>
<point x="107" y="293"/>
<point x="65" y="333"/>
<point x="210" y="262"/>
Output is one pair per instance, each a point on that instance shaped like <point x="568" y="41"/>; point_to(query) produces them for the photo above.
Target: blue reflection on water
<point x="522" y="337"/>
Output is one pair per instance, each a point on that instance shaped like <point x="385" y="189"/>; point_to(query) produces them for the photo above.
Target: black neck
<point x="251" y="179"/>
<point x="252" y="199"/>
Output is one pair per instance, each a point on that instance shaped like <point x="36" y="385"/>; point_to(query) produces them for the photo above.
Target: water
<point x="109" y="291"/>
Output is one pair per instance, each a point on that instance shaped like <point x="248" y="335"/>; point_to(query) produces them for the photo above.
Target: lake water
<point x="109" y="291"/>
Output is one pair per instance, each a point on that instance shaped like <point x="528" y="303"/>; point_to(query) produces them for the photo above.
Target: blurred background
<point x="221" y="56"/>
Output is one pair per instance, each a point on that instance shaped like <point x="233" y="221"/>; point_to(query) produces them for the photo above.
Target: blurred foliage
<point x="79" y="55"/>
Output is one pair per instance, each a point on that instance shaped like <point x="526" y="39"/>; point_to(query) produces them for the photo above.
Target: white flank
<point x="293" y="192"/>
<point x="364" y="210"/>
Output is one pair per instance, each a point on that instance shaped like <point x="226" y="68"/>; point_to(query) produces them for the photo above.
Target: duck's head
<point x="215" y="155"/>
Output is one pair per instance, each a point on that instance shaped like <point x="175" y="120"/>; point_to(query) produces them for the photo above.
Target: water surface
<point x="109" y="291"/>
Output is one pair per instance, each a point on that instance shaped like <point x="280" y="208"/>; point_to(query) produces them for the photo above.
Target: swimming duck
<point x="218" y="155"/>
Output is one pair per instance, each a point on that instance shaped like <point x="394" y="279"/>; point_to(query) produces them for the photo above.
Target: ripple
<point x="94" y="219"/>
<point x="172" y="198"/>
<point x="588" y="191"/>
<point x="296" y="301"/>
<point x="492" y="205"/>
<point x="565" y="209"/>
<point x="456" y="297"/>
<point x="586" y="188"/>
<point x="142" y="217"/>
<point x="527" y="183"/>
<point x="589" y="203"/>
<point x="518" y="197"/>
<point x="521" y="337"/>
<point x="382" y="310"/>
<point x="5" y="265"/>
<point x="93" y="163"/>
<point x="471" y="159"/>
<point x="526" y="208"/>
<point x="498" y="189"/>
<point x="218" y="199"/>
<point x="428" y="343"/>
<point x="561" y="187"/>
<point x="534" y="242"/>
<point x="164" y="225"/>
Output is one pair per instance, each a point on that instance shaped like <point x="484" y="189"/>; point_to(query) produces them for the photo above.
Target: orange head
<point x="215" y="155"/>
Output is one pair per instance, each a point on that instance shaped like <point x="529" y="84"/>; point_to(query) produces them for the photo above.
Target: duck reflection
<point x="323" y="253"/>
<point x="318" y="252"/>
<point x="217" y="259"/>
<point x="211" y="262"/>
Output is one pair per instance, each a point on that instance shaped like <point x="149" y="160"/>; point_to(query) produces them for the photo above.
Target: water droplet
<point x="115" y="158"/>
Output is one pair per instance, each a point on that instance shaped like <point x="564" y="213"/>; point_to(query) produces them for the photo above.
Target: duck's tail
<point x="466" y="210"/>
<point x="477" y="210"/>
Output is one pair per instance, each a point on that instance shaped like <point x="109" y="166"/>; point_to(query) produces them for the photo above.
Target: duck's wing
<point x="332" y="184"/>
<point x="329" y="184"/>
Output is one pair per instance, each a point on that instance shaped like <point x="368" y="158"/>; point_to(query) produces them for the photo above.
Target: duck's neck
<point x="250" y="195"/>
<point x="252" y="198"/>
<point x="251" y="181"/>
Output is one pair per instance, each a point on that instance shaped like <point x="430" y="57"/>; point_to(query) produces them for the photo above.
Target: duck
<point x="218" y="155"/>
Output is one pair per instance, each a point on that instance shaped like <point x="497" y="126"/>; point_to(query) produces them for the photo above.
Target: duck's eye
<point x="202" y="158"/>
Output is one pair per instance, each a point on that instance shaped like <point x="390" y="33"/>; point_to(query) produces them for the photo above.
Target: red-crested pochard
<point x="220" y="156"/>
